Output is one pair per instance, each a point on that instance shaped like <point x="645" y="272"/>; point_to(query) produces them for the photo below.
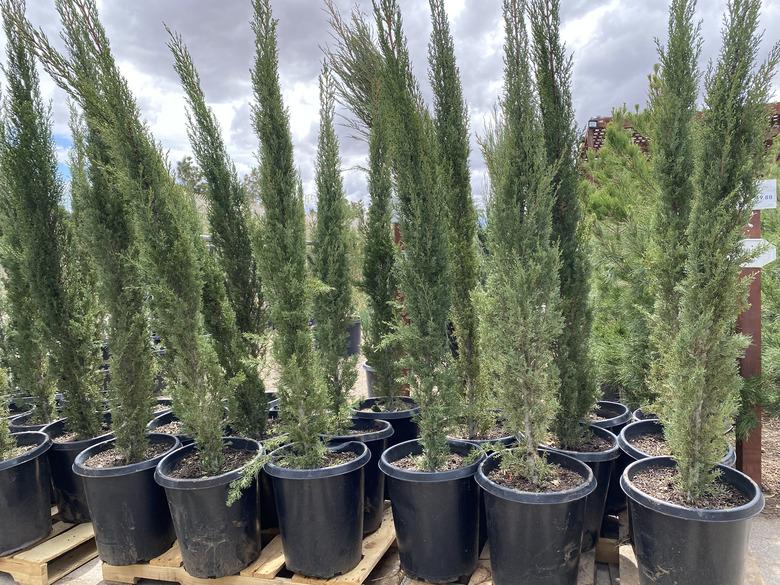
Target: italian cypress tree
<point x="423" y="268"/>
<point x="700" y="373"/>
<point x="379" y="279"/>
<point x="113" y="240"/>
<point x="60" y="286"/>
<point x="26" y="353"/>
<point x="519" y="304"/>
<point x="450" y="117"/>
<point x="167" y="219"/>
<point x="228" y="214"/>
<point x="673" y="104"/>
<point x="553" y="67"/>
<point x="332" y="307"/>
<point x="282" y="253"/>
<point x="7" y="442"/>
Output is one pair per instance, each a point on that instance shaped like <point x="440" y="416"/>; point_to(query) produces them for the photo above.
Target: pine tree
<point x="519" y="304"/>
<point x="423" y="268"/>
<point x="282" y="253"/>
<point x="451" y="123"/>
<point x="166" y="217"/>
<point x="379" y="279"/>
<point x="228" y="213"/>
<point x="60" y="285"/>
<point x="620" y="193"/>
<point x="673" y="105"/>
<point x="553" y="67"/>
<point x="700" y="370"/>
<point x="332" y="307"/>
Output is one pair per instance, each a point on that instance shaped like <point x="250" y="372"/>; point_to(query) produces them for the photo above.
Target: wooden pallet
<point x="68" y="547"/>
<point x="268" y="568"/>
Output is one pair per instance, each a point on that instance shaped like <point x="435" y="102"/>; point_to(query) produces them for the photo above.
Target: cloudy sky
<point x="612" y="42"/>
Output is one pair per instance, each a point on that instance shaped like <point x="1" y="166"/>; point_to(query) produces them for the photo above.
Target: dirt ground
<point x="770" y="466"/>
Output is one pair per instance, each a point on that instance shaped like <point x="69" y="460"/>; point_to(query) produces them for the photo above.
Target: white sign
<point x="767" y="255"/>
<point x="767" y="194"/>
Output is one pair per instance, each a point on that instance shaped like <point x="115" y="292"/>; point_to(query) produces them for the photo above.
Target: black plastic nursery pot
<point x="22" y="424"/>
<point x="18" y="407"/>
<point x="436" y="514"/>
<point x="69" y="494"/>
<point x="128" y="509"/>
<point x="613" y="415"/>
<point x="370" y="379"/>
<point x="215" y="540"/>
<point x="25" y="494"/>
<point x="602" y="464"/>
<point x="375" y="434"/>
<point x="676" y="544"/>
<point x="535" y="537"/>
<point x="353" y="338"/>
<point x="268" y="517"/>
<point x="641" y="414"/>
<point x="321" y="512"/>
<point x="164" y="419"/>
<point x="402" y="421"/>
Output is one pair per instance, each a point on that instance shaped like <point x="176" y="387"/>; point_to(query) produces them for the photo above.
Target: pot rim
<point x="540" y="498"/>
<point x="403" y="449"/>
<point x="40" y="449"/>
<point x="636" y="418"/>
<point x="361" y="449"/>
<point x="622" y="418"/>
<point x="74" y="445"/>
<point x="594" y="456"/>
<point x="384" y="432"/>
<point x="168" y="482"/>
<point x="651" y="426"/>
<point x="734" y="477"/>
<point x="406" y="413"/>
<point x="120" y="470"/>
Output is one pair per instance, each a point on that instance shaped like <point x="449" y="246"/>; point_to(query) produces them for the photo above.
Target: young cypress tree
<point x="59" y="284"/>
<point x="7" y="442"/>
<point x="228" y="214"/>
<point x="423" y="268"/>
<point x="450" y="117"/>
<point x="332" y="307"/>
<point x="700" y="374"/>
<point x="379" y="279"/>
<point x="113" y="239"/>
<point x="26" y="353"/>
<point x="167" y="218"/>
<point x="519" y="304"/>
<point x="282" y="253"/>
<point x="553" y="67"/>
<point x="673" y="105"/>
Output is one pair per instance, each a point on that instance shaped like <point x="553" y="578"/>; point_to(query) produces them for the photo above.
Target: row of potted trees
<point x="502" y="433"/>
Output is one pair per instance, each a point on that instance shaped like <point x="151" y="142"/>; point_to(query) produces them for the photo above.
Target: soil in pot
<point x="321" y="510"/>
<point x="398" y="411"/>
<point x="535" y="536"/>
<point x="215" y="539"/>
<point x="436" y="514"/>
<point x="69" y="493"/>
<point x="599" y="451"/>
<point x="128" y="509"/>
<point x="666" y="530"/>
<point x="25" y="493"/>
<point x="375" y="434"/>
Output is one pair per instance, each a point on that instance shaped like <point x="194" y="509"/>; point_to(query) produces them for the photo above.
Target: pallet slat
<point x="264" y="570"/>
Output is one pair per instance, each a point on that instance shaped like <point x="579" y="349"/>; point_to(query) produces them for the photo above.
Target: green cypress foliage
<point x="553" y="67"/>
<point x="673" y="104"/>
<point x="228" y="214"/>
<point x="7" y="442"/>
<point x="423" y="268"/>
<point x="59" y="284"/>
<point x="282" y="253"/>
<point x="519" y="304"/>
<point x="166" y="217"/>
<point x="700" y="373"/>
<point x="379" y="279"/>
<point x="113" y="240"/>
<point x="26" y="353"/>
<point x="332" y="307"/>
<point x="451" y="123"/>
